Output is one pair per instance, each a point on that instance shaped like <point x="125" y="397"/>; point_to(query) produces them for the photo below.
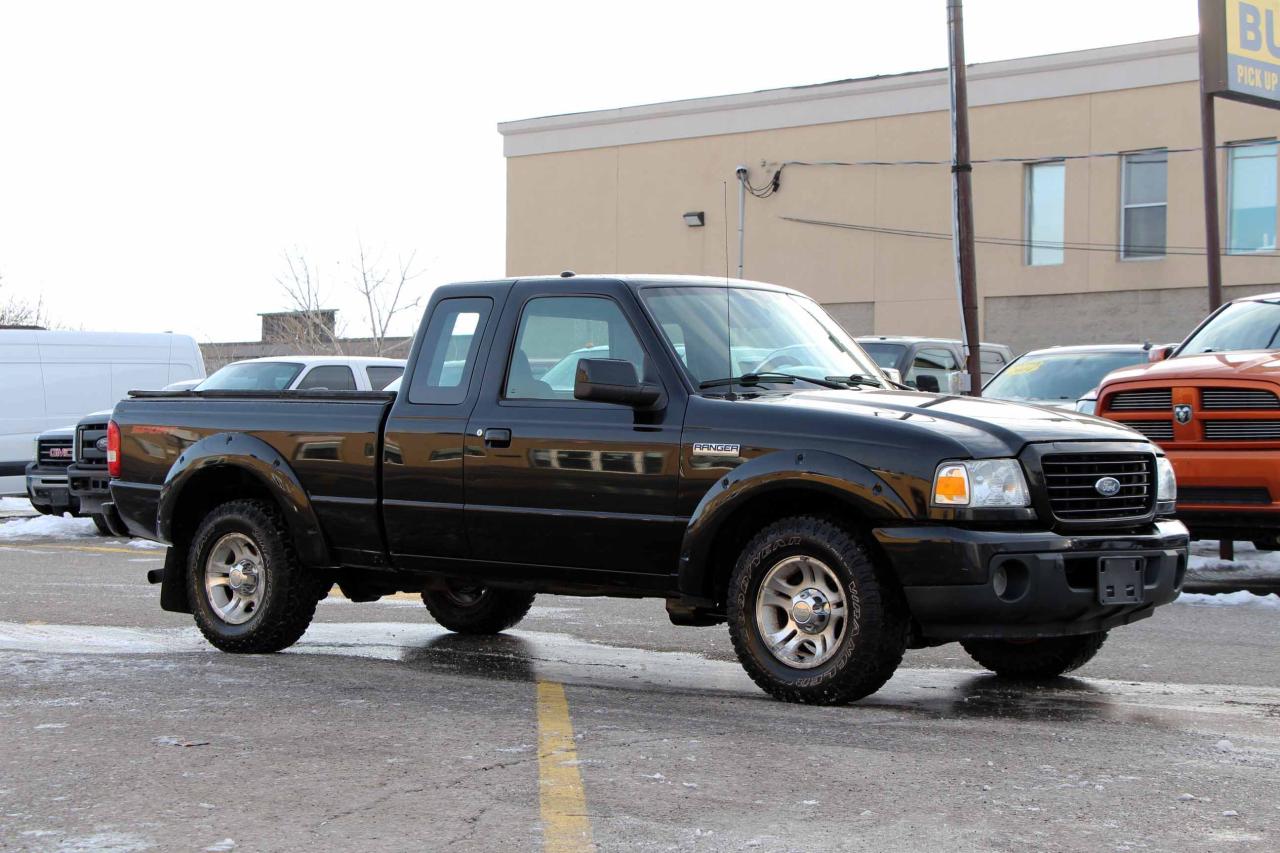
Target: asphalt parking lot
<point x="599" y="723"/>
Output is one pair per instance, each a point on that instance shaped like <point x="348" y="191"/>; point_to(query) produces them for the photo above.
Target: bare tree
<point x="308" y="324"/>
<point x="16" y="311"/>
<point x="383" y="291"/>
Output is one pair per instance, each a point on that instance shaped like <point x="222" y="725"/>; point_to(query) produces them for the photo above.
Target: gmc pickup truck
<point x="724" y="446"/>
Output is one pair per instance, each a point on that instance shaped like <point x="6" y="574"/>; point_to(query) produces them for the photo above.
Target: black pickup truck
<point x="722" y="445"/>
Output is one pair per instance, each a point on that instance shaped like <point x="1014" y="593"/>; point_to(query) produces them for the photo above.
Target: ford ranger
<point x="724" y="446"/>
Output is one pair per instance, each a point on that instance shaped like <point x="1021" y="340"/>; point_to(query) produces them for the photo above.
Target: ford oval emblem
<point x="1108" y="487"/>
<point x="101" y="444"/>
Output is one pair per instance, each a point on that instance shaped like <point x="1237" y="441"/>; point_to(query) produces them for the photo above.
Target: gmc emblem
<point x="59" y="452"/>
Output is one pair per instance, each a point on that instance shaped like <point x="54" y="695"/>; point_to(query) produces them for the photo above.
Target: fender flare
<point x="845" y="480"/>
<point x="264" y="463"/>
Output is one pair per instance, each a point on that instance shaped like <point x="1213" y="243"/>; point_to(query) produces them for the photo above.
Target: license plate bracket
<point x="1120" y="580"/>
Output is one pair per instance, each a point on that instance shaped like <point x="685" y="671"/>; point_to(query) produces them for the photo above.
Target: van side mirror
<point x="612" y="380"/>
<point x="1161" y="353"/>
<point x="928" y="382"/>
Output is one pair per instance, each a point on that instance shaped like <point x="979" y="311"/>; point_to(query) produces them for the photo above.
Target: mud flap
<point x="173" y="587"/>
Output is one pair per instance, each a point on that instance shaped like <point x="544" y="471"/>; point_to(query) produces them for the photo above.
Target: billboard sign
<point x="1240" y="49"/>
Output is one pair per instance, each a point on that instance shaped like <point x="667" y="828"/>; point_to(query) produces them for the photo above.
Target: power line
<point x="1191" y="251"/>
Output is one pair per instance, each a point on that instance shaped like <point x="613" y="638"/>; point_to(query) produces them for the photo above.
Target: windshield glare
<point x="1240" y="326"/>
<point x="253" y="376"/>
<point x="769" y="332"/>
<point x="1060" y="378"/>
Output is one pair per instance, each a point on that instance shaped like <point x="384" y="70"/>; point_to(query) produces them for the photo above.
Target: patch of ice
<point x="47" y="527"/>
<point x="221" y="847"/>
<point x="1241" y="598"/>
<point x="145" y="544"/>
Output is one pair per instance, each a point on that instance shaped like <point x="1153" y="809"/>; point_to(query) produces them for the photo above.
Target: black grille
<point x="1238" y="398"/>
<point x="1241" y="430"/>
<point x="1072" y="481"/>
<point x="87" y="452"/>
<point x="1154" y="430"/>
<point x="1154" y="400"/>
<point x="1223" y="495"/>
<point x="54" y="452"/>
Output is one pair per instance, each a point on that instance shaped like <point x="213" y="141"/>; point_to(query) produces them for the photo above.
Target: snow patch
<point x="47" y="527"/>
<point x="16" y="505"/>
<point x="1242" y="598"/>
<point x="145" y="544"/>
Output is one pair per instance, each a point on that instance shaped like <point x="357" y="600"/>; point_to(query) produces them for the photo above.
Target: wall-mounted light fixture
<point x="695" y="219"/>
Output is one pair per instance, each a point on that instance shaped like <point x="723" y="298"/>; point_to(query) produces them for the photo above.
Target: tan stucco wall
<point x="617" y="209"/>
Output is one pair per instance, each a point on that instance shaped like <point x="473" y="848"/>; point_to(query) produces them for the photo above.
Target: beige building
<point x="1094" y="249"/>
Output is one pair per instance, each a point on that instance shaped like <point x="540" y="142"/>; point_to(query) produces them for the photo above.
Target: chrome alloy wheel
<point x="234" y="578"/>
<point x="801" y="612"/>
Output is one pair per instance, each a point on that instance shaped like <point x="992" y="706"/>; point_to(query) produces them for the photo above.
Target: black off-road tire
<point x="477" y="609"/>
<point x="1036" y="660"/>
<point x="875" y="634"/>
<point x="100" y="522"/>
<point x="290" y="591"/>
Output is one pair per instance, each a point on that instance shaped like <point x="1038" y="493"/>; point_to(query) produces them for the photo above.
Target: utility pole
<point x="1209" y="159"/>
<point x="962" y="198"/>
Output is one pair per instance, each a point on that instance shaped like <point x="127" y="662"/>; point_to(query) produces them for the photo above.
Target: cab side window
<point x="937" y="365"/>
<point x="449" y="351"/>
<point x="329" y="377"/>
<point x="555" y="333"/>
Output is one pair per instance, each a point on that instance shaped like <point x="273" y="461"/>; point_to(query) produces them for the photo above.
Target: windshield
<point x="771" y="332"/>
<point x="1241" y="325"/>
<point x="886" y="355"/>
<point x="253" y="376"/>
<point x="1057" y="377"/>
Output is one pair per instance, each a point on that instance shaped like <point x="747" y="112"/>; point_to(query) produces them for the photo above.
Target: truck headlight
<point x="981" y="483"/>
<point x="1166" y="480"/>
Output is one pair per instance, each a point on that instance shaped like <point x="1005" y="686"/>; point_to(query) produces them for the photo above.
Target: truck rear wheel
<point x="476" y="609"/>
<point x="1034" y="660"/>
<point x="811" y="619"/>
<point x="247" y="589"/>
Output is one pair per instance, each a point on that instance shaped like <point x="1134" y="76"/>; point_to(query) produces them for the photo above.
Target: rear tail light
<point x="113" y="449"/>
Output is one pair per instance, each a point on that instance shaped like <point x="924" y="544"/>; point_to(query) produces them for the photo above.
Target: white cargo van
<point x="52" y="379"/>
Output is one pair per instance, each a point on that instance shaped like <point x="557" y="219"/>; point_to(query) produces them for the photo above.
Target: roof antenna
<point x="728" y="317"/>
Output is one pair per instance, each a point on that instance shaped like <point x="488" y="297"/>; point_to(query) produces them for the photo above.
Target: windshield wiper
<point x="857" y="379"/>
<point x="768" y="376"/>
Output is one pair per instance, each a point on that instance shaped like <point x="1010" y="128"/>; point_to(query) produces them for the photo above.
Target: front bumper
<point x="1228" y="494"/>
<point x="91" y="486"/>
<point x="949" y="576"/>
<point x="48" y="490"/>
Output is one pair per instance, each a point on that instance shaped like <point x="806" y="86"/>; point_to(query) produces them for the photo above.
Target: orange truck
<point x="1213" y="403"/>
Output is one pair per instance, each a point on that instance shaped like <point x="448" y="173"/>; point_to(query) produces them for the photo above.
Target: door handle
<point x="497" y="437"/>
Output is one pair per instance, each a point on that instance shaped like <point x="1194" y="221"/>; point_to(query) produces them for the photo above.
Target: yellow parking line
<point x="565" y="826"/>
<point x="103" y="549"/>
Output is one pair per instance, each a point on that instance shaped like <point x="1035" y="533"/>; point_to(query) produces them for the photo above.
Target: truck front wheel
<point x="811" y="619"/>
<point x="475" y="609"/>
<point x="1034" y="660"/>
<point x="247" y="589"/>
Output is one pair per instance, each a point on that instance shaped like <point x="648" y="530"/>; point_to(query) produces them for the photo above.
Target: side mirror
<point x="928" y="382"/>
<point x="1161" y="353"/>
<point x="612" y="380"/>
<point x="894" y="374"/>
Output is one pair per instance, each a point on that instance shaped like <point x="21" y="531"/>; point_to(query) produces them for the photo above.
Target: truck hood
<point x="1243" y="364"/>
<point x="986" y="428"/>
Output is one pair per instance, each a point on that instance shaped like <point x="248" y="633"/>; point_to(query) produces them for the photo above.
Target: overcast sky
<point x="156" y="159"/>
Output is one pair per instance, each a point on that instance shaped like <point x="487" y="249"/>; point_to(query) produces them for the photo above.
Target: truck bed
<point x="331" y="440"/>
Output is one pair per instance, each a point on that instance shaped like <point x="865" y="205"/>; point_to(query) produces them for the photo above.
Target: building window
<point x="1046" y="212"/>
<point x="1144" y="204"/>
<point x="1251" y="197"/>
